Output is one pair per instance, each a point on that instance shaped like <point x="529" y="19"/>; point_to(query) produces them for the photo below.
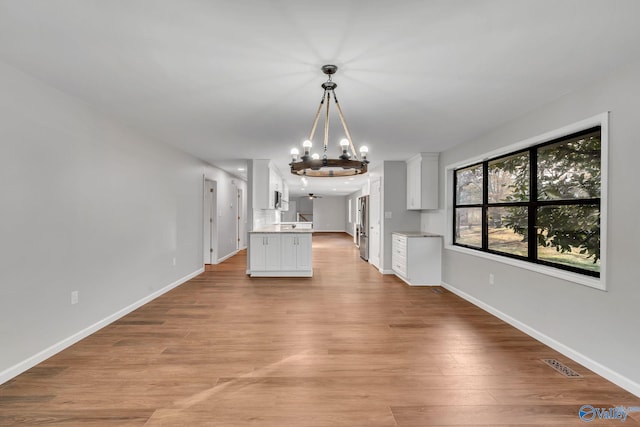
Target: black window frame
<point x="532" y="205"/>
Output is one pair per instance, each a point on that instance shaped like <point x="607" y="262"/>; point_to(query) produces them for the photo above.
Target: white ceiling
<point x="228" y="80"/>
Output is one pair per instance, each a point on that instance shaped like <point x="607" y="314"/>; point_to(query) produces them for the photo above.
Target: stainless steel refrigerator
<point x="363" y="209"/>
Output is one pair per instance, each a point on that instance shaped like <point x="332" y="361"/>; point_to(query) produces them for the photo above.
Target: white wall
<point x="290" y="214"/>
<point x="87" y="206"/>
<point x="329" y="213"/>
<point x="597" y="328"/>
<point x="305" y="206"/>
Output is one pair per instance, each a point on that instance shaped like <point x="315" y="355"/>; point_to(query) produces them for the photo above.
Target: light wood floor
<point x="348" y="347"/>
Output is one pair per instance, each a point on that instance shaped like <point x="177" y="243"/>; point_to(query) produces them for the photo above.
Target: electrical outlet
<point x="175" y="261"/>
<point x="491" y="279"/>
<point x="74" y="297"/>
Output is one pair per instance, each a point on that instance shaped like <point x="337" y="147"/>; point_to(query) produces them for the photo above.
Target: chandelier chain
<point x="326" y="123"/>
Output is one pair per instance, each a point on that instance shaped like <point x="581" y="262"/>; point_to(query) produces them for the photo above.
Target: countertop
<point x="284" y="228"/>
<point x="416" y="234"/>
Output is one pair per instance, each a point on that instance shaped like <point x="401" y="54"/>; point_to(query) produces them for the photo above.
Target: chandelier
<point x="346" y="164"/>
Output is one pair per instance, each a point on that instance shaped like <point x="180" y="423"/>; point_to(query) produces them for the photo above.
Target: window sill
<point x="592" y="282"/>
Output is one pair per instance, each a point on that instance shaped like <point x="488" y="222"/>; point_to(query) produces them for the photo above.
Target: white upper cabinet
<point x="422" y="181"/>
<point x="266" y="181"/>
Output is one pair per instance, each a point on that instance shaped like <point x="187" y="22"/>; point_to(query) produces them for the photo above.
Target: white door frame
<point x="210" y="221"/>
<point x="239" y="218"/>
<point x="375" y="223"/>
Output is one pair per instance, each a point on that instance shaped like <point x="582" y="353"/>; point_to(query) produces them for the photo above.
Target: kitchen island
<point x="280" y="250"/>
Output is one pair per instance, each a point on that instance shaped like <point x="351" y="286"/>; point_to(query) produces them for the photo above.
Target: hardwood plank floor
<point x="348" y="347"/>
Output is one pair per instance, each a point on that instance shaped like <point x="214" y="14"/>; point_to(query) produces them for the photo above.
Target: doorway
<point x="240" y="219"/>
<point x="210" y="228"/>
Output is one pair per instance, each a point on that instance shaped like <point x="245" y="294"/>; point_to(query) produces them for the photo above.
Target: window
<point x="540" y="204"/>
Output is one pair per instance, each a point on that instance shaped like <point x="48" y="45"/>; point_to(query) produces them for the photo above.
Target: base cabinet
<point x="265" y="252"/>
<point x="296" y="252"/>
<point x="280" y="255"/>
<point x="417" y="259"/>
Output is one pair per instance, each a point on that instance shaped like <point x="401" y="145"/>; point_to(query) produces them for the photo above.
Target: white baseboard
<point x="415" y="284"/>
<point x="282" y="273"/>
<point x="616" y="378"/>
<point x="226" y="257"/>
<point x="32" y="361"/>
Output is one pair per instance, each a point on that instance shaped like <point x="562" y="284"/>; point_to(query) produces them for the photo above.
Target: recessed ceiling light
<point x="241" y="169"/>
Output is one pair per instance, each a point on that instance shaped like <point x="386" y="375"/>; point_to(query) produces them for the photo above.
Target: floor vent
<point x="562" y="368"/>
<point x="437" y="290"/>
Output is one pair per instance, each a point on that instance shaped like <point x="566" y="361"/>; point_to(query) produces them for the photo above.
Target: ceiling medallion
<point x="346" y="164"/>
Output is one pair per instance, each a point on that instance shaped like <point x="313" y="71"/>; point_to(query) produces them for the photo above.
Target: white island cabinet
<point x="296" y="251"/>
<point x="265" y="252"/>
<point x="416" y="258"/>
<point x="274" y="252"/>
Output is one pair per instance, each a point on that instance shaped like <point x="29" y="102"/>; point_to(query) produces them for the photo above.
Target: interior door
<point x="374" y="223"/>
<point x="239" y="218"/>
<point x="210" y="234"/>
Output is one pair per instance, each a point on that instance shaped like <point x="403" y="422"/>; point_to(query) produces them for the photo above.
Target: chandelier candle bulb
<point x="294" y="154"/>
<point x="307" y="148"/>
<point x="364" y="150"/>
<point x="344" y="144"/>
